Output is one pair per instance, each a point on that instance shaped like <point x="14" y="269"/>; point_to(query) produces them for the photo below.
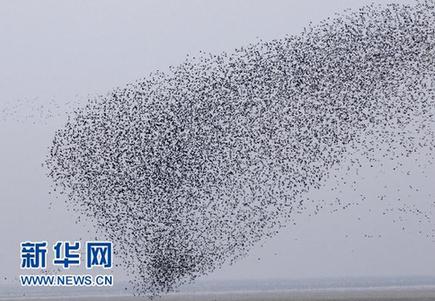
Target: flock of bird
<point x="187" y="170"/>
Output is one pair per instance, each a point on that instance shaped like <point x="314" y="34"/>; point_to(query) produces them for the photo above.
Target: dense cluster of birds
<point x="187" y="170"/>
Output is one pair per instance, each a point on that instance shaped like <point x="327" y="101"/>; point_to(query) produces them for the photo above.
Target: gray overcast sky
<point x="66" y="50"/>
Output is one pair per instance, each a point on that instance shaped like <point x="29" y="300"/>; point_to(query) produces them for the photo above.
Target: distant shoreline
<point x="418" y="293"/>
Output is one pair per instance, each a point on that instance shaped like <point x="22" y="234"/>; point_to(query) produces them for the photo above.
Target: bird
<point x="188" y="170"/>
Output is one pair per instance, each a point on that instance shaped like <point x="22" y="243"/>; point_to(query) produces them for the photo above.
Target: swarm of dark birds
<point x="187" y="170"/>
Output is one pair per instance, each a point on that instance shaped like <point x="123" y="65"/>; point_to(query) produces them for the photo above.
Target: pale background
<point x="60" y="52"/>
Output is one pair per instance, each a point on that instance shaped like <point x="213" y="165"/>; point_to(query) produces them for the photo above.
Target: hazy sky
<point x="63" y="51"/>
